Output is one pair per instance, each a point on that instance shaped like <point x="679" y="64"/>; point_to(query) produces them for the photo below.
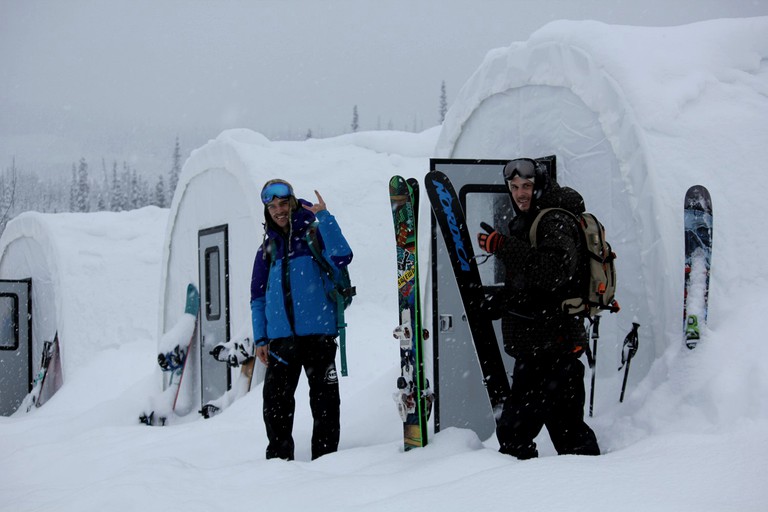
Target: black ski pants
<point x="287" y="356"/>
<point x="546" y="391"/>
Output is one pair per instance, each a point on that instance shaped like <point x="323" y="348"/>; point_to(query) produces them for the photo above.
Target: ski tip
<point x="697" y="198"/>
<point x="193" y="300"/>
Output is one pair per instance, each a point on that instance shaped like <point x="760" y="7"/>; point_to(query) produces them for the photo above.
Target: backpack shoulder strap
<point x="269" y="250"/>
<point x="314" y="248"/>
<point x="535" y="225"/>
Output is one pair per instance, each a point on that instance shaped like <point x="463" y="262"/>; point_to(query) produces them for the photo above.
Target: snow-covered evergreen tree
<point x="355" y="119"/>
<point x="443" y="102"/>
<point x="82" y="189"/>
<point x="160" y="196"/>
<point x="175" y="170"/>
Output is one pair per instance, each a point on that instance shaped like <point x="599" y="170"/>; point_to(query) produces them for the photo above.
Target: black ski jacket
<point x="538" y="280"/>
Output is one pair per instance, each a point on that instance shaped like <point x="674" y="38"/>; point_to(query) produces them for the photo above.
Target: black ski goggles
<point x="523" y="167"/>
<point x="276" y="190"/>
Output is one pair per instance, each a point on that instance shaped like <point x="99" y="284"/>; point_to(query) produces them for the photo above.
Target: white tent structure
<point x="216" y="221"/>
<point x="66" y="256"/>
<point x="630" y="112"/>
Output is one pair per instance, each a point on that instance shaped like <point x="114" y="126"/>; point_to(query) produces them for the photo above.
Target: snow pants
<point x="287" y="356"/>
<point x="546" y="391"/>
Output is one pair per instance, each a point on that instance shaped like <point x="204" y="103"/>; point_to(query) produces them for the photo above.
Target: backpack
<point x="343" y="290"/>
<point x="599" y="292"/>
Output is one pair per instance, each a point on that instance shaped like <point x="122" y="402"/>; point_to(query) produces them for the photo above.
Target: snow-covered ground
<point x="693" y="435"/>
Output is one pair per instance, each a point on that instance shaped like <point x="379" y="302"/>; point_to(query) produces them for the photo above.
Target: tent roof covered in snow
<point x="626" y="109"/>
<point x="71" y="256"/>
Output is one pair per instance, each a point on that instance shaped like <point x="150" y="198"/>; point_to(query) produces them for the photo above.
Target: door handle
<point x="446" y="323"/>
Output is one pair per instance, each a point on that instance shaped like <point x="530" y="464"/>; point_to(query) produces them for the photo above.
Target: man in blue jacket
<point x="294" y="320"/>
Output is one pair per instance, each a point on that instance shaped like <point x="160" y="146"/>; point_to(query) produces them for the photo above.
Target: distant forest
<point x="101" y="187"/>
<point x="108" y="186"/>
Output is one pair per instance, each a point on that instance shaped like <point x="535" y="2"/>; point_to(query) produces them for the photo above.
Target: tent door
<point x="214" y="318"/>
<point x="460" y="397"/>
<point x="15" y="343"/>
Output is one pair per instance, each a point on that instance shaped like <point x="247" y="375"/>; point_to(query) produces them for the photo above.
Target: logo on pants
<point x="331" y="377"/>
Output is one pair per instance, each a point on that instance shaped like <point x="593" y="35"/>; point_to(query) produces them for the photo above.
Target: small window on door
<point x="212" y="283"/>
<point x="489" y="204"/>
<point x="9" y="322"/>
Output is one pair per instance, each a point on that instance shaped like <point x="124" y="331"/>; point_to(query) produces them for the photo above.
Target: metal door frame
<point x="206" y="314"/>
<point x="20" y="328"/>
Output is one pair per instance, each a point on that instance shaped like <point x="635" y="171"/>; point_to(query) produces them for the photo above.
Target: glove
<point x="491" y="241"/>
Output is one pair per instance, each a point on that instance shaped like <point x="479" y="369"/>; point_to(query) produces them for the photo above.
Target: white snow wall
<point x="632" y="113"/>
<point x="69" y="256"/>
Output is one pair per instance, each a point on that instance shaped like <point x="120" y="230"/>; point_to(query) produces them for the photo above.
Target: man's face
<point x="280" y="211"/>
<point x="522" y="192"/>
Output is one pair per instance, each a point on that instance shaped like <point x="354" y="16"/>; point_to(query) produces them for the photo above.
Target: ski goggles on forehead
<point x="523" y="167"/>
<point x="276" y="190"/>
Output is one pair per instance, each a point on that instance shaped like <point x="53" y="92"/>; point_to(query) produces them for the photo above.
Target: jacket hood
<point x="562" y="197"/>
<point x="301" y="218"/>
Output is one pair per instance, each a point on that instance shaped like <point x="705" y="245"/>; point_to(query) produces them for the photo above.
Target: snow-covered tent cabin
<point x="631" y="114"/>
<point x="59" y="264"/>
<point x="215" y="228"/>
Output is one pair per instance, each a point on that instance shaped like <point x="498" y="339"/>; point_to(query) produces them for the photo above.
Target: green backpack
<point x="343" y="290"/>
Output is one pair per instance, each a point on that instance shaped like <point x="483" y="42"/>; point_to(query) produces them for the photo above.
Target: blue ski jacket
<point x="289" y="290"/>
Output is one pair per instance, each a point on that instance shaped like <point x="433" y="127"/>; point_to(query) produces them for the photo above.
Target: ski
<point x="48" y="379"/>
<point x="452" y="222"/>
<point x="413" y="396"/>
<point x="697" y="215"/>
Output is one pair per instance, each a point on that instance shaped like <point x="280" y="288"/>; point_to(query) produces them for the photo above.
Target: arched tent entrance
<point x="90" y="279"/>
<point x="630" y="113"/>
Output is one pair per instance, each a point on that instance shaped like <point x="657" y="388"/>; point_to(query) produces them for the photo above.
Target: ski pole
<point x="595" y="336"/>
<point x="630" y="347"/>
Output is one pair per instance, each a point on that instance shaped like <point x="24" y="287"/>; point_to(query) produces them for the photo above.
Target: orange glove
<point x="490" y="242"/>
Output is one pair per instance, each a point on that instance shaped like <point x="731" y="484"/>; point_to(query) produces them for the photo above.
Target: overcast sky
<point x="120" y="79"/>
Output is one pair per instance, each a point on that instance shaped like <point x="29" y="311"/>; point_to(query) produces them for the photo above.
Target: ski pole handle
<point x="596" y="328"/>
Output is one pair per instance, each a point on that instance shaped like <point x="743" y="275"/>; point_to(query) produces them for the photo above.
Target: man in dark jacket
<point x="548" y="381"/>
<point x="294" y="319"/>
